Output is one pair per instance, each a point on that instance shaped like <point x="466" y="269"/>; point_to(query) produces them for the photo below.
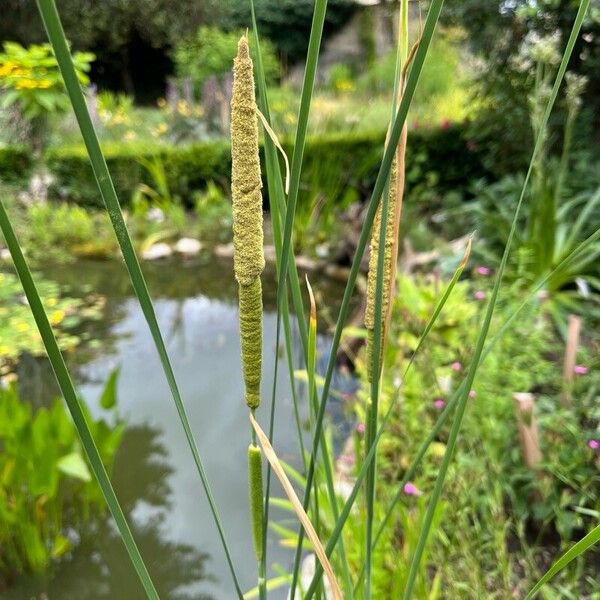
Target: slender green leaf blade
<point x="583" y="545"/>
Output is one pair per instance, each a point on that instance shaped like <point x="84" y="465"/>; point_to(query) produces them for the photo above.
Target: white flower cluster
<point x="537" y="49"/>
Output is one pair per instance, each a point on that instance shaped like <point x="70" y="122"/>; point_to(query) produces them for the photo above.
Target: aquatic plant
<point x="18" y="332"/>
<point x="47" y="485"/>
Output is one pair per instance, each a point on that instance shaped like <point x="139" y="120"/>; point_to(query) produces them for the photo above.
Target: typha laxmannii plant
<point x="248" y="258"/>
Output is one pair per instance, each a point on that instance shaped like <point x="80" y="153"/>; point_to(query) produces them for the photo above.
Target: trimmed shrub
<point x="335" y="166"/>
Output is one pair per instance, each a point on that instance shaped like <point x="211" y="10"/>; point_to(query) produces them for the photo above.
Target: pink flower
<point x="410" y="489"/>
<point x="479" y="295"/>
<point x="456" y="366"/>
<point x="472" y="394"/>
<point x="471" y="145"/>
<point x="483" y="270"/>
<point x="445" y="124"/>
<point x="594" y="444"/>
<point x="348" y="458"/>
<point x="439" y="403"/>
<point x="580" y="370"/>
<point x="360" y="428"/>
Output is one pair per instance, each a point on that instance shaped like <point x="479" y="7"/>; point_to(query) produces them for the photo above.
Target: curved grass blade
<point x="462" y="402"/>
<point x="271" y="585"/>
<point x="68" y="391"/>
<point x="380" y="183"/>
<point x="51" y="19"/>
<point x="571" y="554"/>
<point x="300" y="512"/>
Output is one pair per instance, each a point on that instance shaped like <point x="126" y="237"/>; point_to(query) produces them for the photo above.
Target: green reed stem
<point x="73" y="403"/>
<point x="462" y="402"/>
<point x="51" y="19"/>
<point x="388" y="156"/>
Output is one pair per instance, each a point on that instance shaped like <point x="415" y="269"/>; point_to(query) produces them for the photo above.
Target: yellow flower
<point x="345" y="85"/>
<point x="130" y="136"/>
<point x="51" y="302"/>
<point x="4" y="350"/>
<point x="161" y="103"/>
<point x="26" y="84"/>
<point x="57" y="317"/>
<point x="22" y="326"/>
<point x="183" y="108"/>
<point x="44" y="83"/>
<point x="161" y="128"/>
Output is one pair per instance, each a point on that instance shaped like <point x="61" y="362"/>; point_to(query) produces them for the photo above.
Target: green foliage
<point x="61" y="232"/>
<point x="18" y="333"/>
<point x="213" y="211"/>
<point x="30" y="79"/>
<point x="441" y="72"/>
<point x="46" y="488"/>
<point x="555" y="220"/>
<point x="287" y="23"/>
<point x="497" y="33"/>
<point x="492" y="500"/>
<point x="15" y="163"/>
<point x="210" y="52"/>
<point x="340" y="78"/>
<point x="438" y="160"/>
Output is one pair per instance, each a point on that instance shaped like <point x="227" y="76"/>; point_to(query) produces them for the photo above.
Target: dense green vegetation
<point x="47" y="488"/>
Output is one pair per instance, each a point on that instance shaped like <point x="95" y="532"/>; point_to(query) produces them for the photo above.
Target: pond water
<point x="154" y="474"/>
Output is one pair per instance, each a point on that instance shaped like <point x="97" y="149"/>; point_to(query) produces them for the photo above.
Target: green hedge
<point x="335" y="166"/>
<point x="15" y="163"/>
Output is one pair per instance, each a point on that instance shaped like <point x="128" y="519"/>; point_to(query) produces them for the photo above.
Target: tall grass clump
<point x="381" y="229"/>
<point x="248" y="259"/>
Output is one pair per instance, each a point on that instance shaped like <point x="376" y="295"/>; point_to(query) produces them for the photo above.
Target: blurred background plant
<point x="47" y="488"/>
<point x="30" y="82"/>
<point x="18" y="333"/>
<point x="514" y="510"/>
<point x="557" y="217"/>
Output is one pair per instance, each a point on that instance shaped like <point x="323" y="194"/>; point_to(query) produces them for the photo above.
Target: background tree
<point x="287" y="22"/>
<point x="496" y="32"/>
<point x="132" y="39"/>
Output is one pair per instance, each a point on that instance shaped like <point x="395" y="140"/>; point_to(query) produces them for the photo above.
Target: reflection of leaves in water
<point x="99" y="568"/>
<point x="140" y="471"/>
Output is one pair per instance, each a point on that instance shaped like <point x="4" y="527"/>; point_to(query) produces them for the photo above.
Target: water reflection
<point x="155" y="476"/>
<point x="99" y="568"/>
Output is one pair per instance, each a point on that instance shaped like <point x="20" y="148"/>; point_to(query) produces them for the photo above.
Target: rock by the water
<point x="188" y="246"/>
<point x="224" y="250"/>
<point x="157" y="251"/>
